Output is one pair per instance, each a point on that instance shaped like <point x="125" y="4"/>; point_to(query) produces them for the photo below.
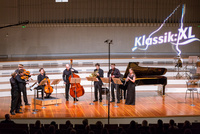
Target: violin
<point x="76" y="90"/>
<point x="26" y="75"/>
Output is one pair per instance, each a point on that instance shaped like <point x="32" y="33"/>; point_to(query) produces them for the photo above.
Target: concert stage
<point x="149" y="105"/>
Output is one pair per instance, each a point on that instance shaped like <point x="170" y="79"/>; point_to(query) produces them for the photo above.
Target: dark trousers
<point x="42" y="91"/>
<point x="67" y="91"/>
<point x="97" y="87"/>
<point x="115" y="86"/>
<point x="15" y="100"/>
<point x="23" y="90"/>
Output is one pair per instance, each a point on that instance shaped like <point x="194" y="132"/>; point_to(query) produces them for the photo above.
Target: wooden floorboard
<point x="148" y="104"/>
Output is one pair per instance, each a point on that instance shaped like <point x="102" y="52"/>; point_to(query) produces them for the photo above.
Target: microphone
<point x="106" y="41"/>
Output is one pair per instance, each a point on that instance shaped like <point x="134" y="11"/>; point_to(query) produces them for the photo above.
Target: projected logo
<point x="183" y="37"/>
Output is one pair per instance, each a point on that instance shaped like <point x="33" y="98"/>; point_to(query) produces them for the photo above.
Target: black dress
<point x="130" y="99"/>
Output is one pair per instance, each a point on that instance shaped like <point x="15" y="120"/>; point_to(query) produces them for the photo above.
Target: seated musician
<point x="40" y="77"/>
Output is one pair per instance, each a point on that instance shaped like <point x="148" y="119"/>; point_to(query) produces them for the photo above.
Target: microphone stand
<point x="108" y="42"/>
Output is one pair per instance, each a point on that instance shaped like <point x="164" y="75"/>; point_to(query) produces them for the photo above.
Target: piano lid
<point x="144" y="71"/>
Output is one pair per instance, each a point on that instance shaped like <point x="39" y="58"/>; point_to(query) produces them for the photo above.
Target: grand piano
<point x="146" y="76"/>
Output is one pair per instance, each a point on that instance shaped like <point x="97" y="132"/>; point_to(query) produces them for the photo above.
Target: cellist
<point x="40" y="77"/>
<point x="66" y="74"/>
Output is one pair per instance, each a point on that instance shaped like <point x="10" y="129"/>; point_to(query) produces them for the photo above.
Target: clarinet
<point x="126" y="79"/>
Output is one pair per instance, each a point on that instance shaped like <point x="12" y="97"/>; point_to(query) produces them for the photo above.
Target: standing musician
<point x="22" y="85"/>
<point x="98" y="84"/>
<point x="115" y="73"/>
<point x="66" y="74"/>
<point x="130" y="80"/>
<point x="40" y="77"/>
<point x="21" y="67"/>
<point x="15" y="94"/>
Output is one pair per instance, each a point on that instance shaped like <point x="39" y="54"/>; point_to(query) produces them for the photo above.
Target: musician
<point x="98" y="84"/>
<point x="40" y="77"/>
<point x="115" y="73"/>
<point x="20" y="66"/>
<point x="15" y="95"/>
<point x="66" y="74"/>
<point x="130" y="80"/>
<point x="22" y="85"/>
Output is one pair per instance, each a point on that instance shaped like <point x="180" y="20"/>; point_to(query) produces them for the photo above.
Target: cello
<point x="76" y="90"/>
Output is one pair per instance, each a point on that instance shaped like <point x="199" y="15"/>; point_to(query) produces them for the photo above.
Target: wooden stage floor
<point x="148" y="104"/>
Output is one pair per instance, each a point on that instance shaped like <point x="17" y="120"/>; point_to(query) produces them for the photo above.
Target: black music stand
<point x="92" y="79"/>
<point x="106" y="80"/>
<point x="75" y="81"/>
<point x="56" y="82"/>
<point x="118" y="82"/>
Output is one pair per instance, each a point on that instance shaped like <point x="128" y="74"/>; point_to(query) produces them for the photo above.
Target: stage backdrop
<point x="52" y="41"/>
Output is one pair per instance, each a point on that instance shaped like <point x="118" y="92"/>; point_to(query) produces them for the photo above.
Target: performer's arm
<point x="108" y="73"/>
<point x="101" y="73"/>
<point x="64" y="76"/>
<point x="20" y="80"/>
<point x="117" y="75"/>
<point x="132" y="80"/>
<point x="75" y="71"/>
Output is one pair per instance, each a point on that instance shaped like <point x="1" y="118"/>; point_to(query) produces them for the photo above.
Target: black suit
<point x="39" y="79"/>
<point x="22" y="87"/>
<point x="15" y="95"/>
<point x="98" y="85"/>
<point x="117" y="74"/>
<point x="66" y="74"/>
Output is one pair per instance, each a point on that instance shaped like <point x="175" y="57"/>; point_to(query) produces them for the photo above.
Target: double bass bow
<point x="76" y="90"/>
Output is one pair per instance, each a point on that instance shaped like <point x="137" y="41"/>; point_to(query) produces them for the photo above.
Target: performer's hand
<point x="64" y="82"/>
<point x="97" y="74"/>
<point x="113" y="76"/>
<point x="31" y="73"/>
<point x="97" y="79"/>
<point x="72" y="70"/>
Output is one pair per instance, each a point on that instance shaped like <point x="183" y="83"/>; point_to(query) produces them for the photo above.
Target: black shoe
<point x="100" y="100"/>
<point x="95" y="100"/>
<point x="18" y="112"/>
<point x="112" y="101"/>
<point x="27" y="104"/>
<point x="118" y="101"/>
<point x="12" y="113"/>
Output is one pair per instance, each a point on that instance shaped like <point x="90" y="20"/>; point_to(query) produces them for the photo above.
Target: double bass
<point x="76" y="90"/>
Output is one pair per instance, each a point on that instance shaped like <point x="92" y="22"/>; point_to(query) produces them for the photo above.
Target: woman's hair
<point x="41" y="69"/>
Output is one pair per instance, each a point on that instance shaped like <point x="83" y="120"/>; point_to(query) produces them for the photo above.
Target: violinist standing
<point x="15" y="94"/>
<point x="66" y="74"/>
<point x="22" y="85"/>
<point x="115" y="73"/>
<point x="130" y="80"/>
